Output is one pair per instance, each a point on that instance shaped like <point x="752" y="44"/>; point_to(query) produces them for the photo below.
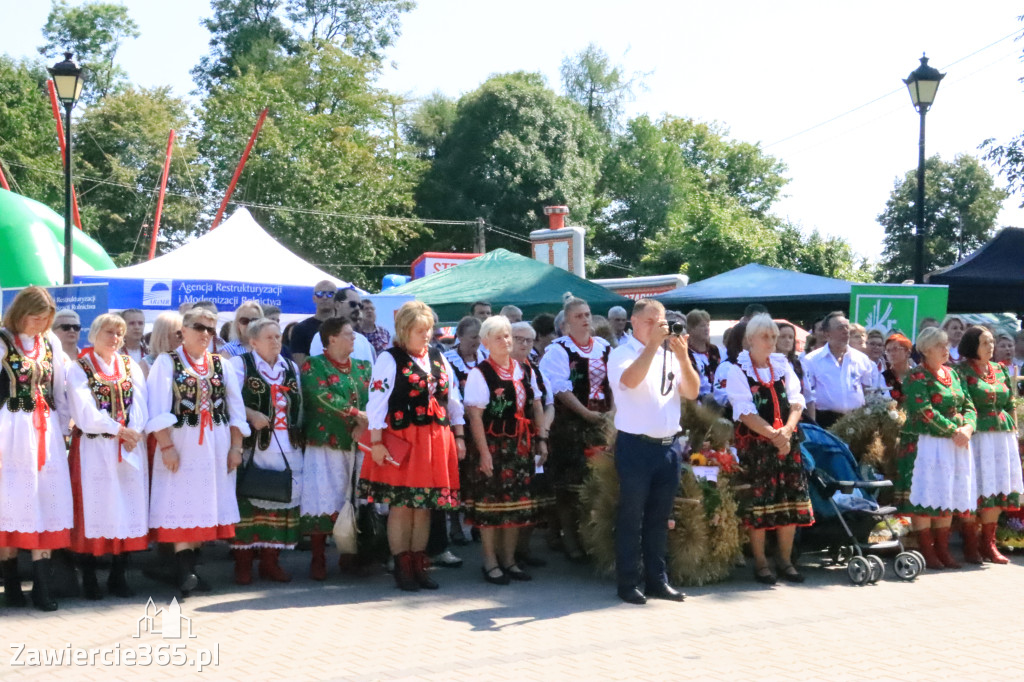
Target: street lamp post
<point x="67" y="81"/>
<point x="922" y="83"/>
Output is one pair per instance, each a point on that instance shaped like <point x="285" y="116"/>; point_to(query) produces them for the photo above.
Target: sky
<point x="776" y="73"/>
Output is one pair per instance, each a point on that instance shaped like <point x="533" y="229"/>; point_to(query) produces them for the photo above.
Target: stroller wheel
<point x="877" y="568"/>
<point x="859" y="570"/>
<point x="907" y="566"/>
<point x="920" y="557"/>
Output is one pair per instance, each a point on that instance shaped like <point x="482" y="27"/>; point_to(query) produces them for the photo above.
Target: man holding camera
<point x="649" y="383"/>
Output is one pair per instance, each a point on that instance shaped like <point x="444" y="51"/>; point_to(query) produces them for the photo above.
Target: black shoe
<point x="500" y="579"/>
<point x="90" y="585"/>
<point x="664" y="591"/>
<point x="530" y="560"/>
<point x="13" y="596"/>
<point x="117" y="581"/>
<point x="185" y="576"/>
<point x="41" y="574"/>
<point x="791" y="575"/>
<point x="516" y="573"/>
<point x="764" y="576"/>
<point x="632" y="595"/>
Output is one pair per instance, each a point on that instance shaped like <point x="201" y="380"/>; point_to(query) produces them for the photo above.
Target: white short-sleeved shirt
<point x="718" y="391"/>
<point x="478" y="395"/>
<point x="839" y="385"/>
<point x="555" y="363"/>
<point x="738" y="388"/>
<point x="362" y="349"/>
<point x="644" y="410"/>
<point x="382" y="383"/>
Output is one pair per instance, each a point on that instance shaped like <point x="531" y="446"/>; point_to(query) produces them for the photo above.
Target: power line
<point x="888" y="94"/>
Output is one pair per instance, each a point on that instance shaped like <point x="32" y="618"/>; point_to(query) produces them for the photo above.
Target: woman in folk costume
<point x="273" y="407"/>
<point x="109" y="467"/>
<point x="503" y="404"/>
<point x="413" y="400"/>
<point x="35" y="488"/>
<point x="198" y="417"/>
<point x="997" y="465"/>
<point x="335" y="388"/>
<point x="577" y="367"/>
<point x="935" y="477"/>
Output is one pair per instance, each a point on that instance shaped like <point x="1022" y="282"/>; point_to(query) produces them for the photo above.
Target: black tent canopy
<point x="991" y="278"/>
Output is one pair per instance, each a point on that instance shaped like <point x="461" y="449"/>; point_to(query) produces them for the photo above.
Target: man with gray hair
<point x="513" y="314"/>
<point x="620" y="323"/>
<point x="68" y="326"/>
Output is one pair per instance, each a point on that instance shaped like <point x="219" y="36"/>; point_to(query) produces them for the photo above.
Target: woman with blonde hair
<point x="35" y="487"/>
<point x="109" y="468"/>
<point x="238" y="338"/>
<point x="197" y="414"/>
<point x="165" y="337"/>
<point x="415" y="402"/>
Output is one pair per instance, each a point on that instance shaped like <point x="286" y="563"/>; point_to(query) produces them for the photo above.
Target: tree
<point x="961" y="206"/>
<point x="430" y="123"/>
<point x="120" y="146"/>
<point x="29" y="153"/>
<point x="514" y="147"/>
<point x="93" y="31"/>
<point x="1008" y="157"/>
<point x="321" y="151"/>
<point x="589" y="79"/>
<point x="816" y="254"/>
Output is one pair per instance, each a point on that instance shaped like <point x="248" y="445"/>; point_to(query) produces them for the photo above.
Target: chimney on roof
<point x="556" y="216"/>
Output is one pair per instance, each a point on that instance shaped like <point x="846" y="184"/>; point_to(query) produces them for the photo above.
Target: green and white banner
<point x="897" y="307"/>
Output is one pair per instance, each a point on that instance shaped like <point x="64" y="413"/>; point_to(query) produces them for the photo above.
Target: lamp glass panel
<point x="66" y="86"/>
<point x="926" y="91"/>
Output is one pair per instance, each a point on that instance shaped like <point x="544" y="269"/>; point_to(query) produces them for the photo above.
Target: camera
<point x="676" y="329"/>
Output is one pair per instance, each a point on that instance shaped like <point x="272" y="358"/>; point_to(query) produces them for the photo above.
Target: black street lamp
<point x="67" y="81"/>
<point x="923" y="83"/>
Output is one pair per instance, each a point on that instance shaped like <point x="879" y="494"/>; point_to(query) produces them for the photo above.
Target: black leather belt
<point x="668" y="440"/>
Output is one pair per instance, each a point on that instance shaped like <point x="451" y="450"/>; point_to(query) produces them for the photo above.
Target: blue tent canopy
<point x="785" y="293"/>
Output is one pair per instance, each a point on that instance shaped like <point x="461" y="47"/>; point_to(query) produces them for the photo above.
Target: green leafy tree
<point x="590" y="80"/>
<point x="325" y="149"/>
<point x="120" y="147"/>
<point x="29" y="153"/>
<point x="93" y="31"/>
<point x="514" y="147"/>
<point x="430" y="123"/>
<point x="962" y="202"/>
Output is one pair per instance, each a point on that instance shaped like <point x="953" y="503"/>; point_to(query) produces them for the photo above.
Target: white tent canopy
<point x="238" y="261"/>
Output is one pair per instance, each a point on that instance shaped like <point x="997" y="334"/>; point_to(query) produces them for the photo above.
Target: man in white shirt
<point x="135" y="329"/>
<point x="618" y="320"/>
<point x="348" y="302"/>
<point x="648" y="452"/>
<point x="836" y="376"/>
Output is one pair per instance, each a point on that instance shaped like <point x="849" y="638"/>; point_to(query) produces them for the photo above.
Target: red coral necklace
<point x="343" y="366"/>
<point x="989" y="375"/>
<point x="943" y="375"/>
<point x="108" y="378"/>
<point x="34" y="353"/>
<point x="198" y="367"/>
<point x="584" y="348"/>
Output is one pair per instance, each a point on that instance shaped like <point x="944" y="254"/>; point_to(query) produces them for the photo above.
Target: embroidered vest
<point x="409" y="402"/>
<point x="500" y="414"/>
<point x="765" y="408"/>
<point x="20" y="376"/>
<point x="258" y="395"/>
<point x="187" y="397"/>
<point x="579" y="375"/>
<point x="103" y="392"/>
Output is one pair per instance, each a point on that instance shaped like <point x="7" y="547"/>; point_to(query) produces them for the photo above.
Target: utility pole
<point x="481" y="242"/>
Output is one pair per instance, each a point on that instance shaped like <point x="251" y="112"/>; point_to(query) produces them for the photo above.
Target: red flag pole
<point x="238" y="170"/>
<point x="3" y="179"/>
<point x="63" y="150"/>
<point x="160" y="198"/>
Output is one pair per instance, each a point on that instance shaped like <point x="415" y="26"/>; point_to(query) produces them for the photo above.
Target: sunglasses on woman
<point x="203" y="329"/>
<point x="245" y="320"/>
<point x="69" y="327"/>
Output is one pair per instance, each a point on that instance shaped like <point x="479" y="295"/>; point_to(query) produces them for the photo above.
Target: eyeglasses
<point x="245" y="320"/>
<point x="323" y="294"/>
<point x="522" y="339"/>
<point x="353" y="304"/>
<point x="203" y="329"/>
<point x="69" y="327"/>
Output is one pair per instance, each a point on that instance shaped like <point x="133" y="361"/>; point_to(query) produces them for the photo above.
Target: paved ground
<point x="566" y="624"/>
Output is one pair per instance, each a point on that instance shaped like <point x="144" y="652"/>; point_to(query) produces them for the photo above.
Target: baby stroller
<point x="845" y="512"/>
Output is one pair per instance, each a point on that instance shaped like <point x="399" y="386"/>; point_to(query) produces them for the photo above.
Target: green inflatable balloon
<point x="32" y="244"/>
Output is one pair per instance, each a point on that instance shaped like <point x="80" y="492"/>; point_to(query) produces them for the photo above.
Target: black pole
<point x="919" y="235"/>
<point x="68" y="234"/>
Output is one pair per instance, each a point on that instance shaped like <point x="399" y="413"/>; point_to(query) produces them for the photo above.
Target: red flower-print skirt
<point x="428" y="478"/>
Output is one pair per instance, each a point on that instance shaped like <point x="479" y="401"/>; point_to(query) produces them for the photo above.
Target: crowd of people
<point x="264" y="437"/>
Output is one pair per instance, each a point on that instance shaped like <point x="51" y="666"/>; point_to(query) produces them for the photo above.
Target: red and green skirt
<point x="778" y="486"/>
<point x="427" y="479"/>
<point x="261" y="528"/>
<point x="503" y="499"/>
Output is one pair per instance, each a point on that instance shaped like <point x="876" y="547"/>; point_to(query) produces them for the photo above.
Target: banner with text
<point x="88" y="300"/>
<point x="168" y="294"/>
<point x="897" y="307"/>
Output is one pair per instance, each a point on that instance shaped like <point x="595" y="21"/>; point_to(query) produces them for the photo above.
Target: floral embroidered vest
<point x="105" y="393"/>
<point x="409" y="402"/>
<point x="20" y="376"/>
<point x="257" y="394"/>
<point x="762" y="396"/>
<point x="500" y="415"/>
<point x="187" y="396"/>
<point x="579" y="375"/>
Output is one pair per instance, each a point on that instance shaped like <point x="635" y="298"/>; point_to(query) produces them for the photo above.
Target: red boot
<point x="969" y="533"/>
<point x="988" y="545"/>
<point x="318" y="564"/>
<point x="926" y="546"/>
<point x="420" y="564"/>
<point x="405" y="572"/>
<point x="270" y="569"/>
<point x="243" y="566"/>
<point x="942" y="548"/>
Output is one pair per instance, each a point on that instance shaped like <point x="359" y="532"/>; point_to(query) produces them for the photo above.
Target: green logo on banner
<point x="896" y="307"/>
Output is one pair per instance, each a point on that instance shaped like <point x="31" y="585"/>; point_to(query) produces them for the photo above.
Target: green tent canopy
<point x="32" y="245"/>
<point x="504" y="278"/>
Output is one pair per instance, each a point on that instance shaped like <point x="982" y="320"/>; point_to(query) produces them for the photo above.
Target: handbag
<point x="264" y="484"/>
<point x="345" y="526"/>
